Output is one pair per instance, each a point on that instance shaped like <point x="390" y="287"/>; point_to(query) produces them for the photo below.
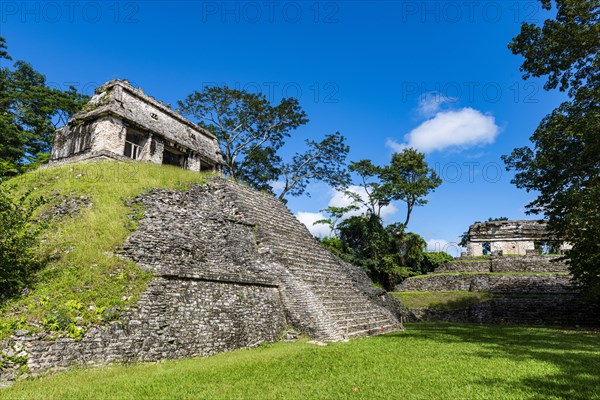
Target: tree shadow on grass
<point x="576" y="355"/>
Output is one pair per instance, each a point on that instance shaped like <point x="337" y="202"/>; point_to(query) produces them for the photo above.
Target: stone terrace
<point x="527" y="289"/>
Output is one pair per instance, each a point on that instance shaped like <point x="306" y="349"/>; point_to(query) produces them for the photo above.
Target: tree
<point x="564" y="163"/>
<point x="249" y="129"/>
<point x="368" y="243"/>
<point x="407" y="178"/>
<point x="369" y="174"/>
<point x="386" y="256"/>
<point x="564" y="49"/>
<point x="434" y="259"/>
<point x="323" y="161"/>
<point x="3" y="52"/>
<point x="30" y="112"/>
<point x="389" y="254"/>
<point x="251" y="132"/>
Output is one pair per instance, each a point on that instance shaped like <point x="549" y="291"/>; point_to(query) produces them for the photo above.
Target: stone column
<point x="193" y="162"/>
<point x="157" y="147"/>
<point x="474" y="249"/>
<point x="109" y="135"/>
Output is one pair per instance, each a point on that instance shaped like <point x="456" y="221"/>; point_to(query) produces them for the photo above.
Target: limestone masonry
<point x="529" y="289"/>
<point x="516" y="237"/>
<point x="232" y="268"/>
<point x="123" y="123"/>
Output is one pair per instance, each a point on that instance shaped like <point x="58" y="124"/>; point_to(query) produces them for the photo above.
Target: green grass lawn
<point x="427" y="361"/>
<point x="445" y="300"/>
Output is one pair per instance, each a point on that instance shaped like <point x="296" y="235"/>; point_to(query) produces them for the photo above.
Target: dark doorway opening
<point x="173" y="156"/>
<point x="486" y="248"/>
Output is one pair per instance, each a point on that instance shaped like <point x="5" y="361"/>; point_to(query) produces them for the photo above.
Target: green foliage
<point x="426" y="361"/>
<point x="85" y="281"/>
<point x="369" y="180"/>
<point x="387" y="256"/>
<point x="464" y="239"/>
<point x="19" y="235"/>
<point x="30" y="112"/>
<point x="335" y="215"/>
<point x="434" y="259"/>
<point x="251" y="132"/>
<point x="564" y="164"/>
<point x="407" y="178"/>
<point x="565" y="48"/>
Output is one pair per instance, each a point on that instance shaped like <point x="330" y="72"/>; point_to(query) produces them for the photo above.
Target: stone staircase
<point x="319" y="295"/>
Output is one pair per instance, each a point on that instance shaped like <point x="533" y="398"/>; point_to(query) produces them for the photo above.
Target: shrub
<point x="19" y="235"/>
<point x="434" y="259"/>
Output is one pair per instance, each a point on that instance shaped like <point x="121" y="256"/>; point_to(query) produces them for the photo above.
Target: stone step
<point x="340" y="308"/>
<point x="373" y="331"/>
<point x="342" y="314"/>
<point x="351" y="322"/>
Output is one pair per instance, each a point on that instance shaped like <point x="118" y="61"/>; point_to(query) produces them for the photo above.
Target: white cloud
<point x="339" y="199"/>
<point x="309" y="218"/>
<point x="277" y="185"/>
<point x="451" y="248"/>
<point x="430" y="103"/>
<point x="459" y="129"/>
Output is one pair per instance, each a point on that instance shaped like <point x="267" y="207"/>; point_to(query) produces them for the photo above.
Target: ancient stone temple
<point x="232" y="268"/>
<point x="123" y="123"/>
<point x="515" y="237"/>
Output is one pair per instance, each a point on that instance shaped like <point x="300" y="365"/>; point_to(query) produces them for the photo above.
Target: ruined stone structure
<point x="232" y="268"/>
<point x="530" y="289"/>
<point x="123" y="123"/>
<point x="517" y="237"/>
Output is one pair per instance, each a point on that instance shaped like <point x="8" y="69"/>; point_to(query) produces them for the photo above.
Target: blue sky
<point x="435" y="75"/>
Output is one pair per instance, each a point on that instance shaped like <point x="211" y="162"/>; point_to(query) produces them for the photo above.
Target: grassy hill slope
<point x="85" y="281"/>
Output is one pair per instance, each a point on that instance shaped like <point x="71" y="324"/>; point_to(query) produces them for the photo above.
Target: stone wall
<point x="174" y="318"/>
<point x="109" y="135"/>
<point x="495" y="283"/>
<point x="459" y="265"/>
<point x="72" y="141"/>
<point x="529" y="263"/>
<point x="530" y="289"/>
<point x="543" y="310"/>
